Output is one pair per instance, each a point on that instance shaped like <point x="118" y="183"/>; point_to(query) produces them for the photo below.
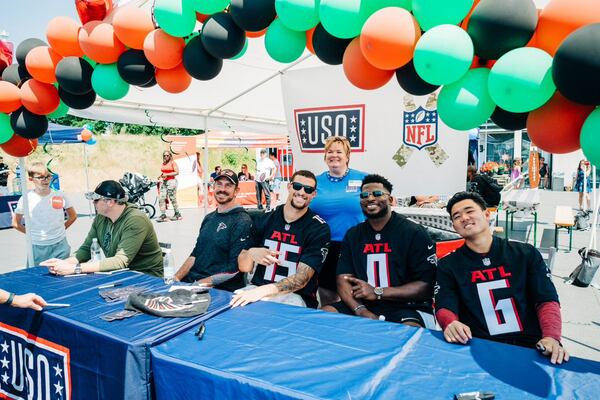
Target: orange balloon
<point x="39" y="98"/>
<point x="99" y="42"/>
<point x="163" y="50"/>
<point x="561" y="17"/>
<point x="86" y="135"/>
<point x="556" y="126"/>
<point x="389" y="37"/>
<point x="132" y="25"/>
<point x="10" y="97"/>
<point x="174" y="80"/>
<point x="41" y="62"/>
<point x="358" y="70"/>
<point x="465" y="23"/>
<point x="309" y="38"/>
<point x="201" y="17"/>
<point x="256" y="34"/>
<point x="18" y="146"/>
<point x="63" y="36"/>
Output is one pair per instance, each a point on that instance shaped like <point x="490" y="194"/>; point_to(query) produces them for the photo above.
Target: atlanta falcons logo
<point x="166" y="303"/>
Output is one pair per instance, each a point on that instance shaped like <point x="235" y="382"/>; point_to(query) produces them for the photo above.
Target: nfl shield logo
<point x="315" y="125"/>
<point x="420" y="128"/>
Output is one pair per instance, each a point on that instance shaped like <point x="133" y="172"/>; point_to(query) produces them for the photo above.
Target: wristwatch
<point x="77" y="269"/>
<point x="378" y="292"/>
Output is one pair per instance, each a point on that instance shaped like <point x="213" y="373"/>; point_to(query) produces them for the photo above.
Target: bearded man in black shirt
<point x="387" y="263"/>
<point x="494" y="288"/>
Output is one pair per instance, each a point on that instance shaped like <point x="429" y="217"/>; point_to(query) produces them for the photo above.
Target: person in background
<point x="265" y="171"/>
<point x="124" y="233"/>
<point x="244" y="175"/>
<point x="46" y="220"/>
<point x="277" y="177"/>
<point x="424" y="201"/>
<point x="516" y="173"/>
<point x="338" y="204"/>
<point x="29" y="300"/>
<point x="583" y="183"/>
<point x="544" y="174"/>
<point x="199" y="173"/>
<point x="214" y="174"/>
<point x="168" y="187"/>
<point x="4" y="171"/>
<point x="485" y="186"/>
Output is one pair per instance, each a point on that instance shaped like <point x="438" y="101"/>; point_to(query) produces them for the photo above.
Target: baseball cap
<point x="229" y="174"/>
<point x="109" y="190"/>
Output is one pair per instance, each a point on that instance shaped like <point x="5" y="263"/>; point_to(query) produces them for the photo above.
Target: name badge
<point x="353" y="186"/>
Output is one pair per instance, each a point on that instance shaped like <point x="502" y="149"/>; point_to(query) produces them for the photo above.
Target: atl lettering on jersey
<point x="315" y="125"/>
<point x="420" y="128"/>
<point x="32" y="367"/>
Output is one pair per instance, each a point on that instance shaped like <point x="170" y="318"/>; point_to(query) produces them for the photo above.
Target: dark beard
<point x="382" y="213"/>
<point x="297" y="207"/>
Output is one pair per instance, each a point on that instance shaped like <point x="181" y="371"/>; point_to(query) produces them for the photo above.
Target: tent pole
<point x="87" y="177"/>
<point x="23" y="185"/>
<point x="205" y="169"/>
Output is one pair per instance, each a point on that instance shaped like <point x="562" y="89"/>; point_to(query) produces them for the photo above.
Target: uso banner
<point x="391" y="132"/>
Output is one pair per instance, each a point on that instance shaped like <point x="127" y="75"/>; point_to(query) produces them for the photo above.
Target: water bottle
<point x="16" y="183"/>
<point x="168" y="265"/>
<point x="96" y="251"/>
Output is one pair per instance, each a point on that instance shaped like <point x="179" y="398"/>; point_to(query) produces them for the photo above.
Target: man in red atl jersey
<point x="494" y="288"/>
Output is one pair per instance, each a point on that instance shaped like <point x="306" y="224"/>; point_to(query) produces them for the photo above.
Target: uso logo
<point x="420" y="128"/>
<point x="315" y="125"/>
<point x="32" y="367"/>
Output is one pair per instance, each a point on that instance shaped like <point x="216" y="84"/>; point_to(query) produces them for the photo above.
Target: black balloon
<point x="411" y="82"/>
<point x="253" y="15"/>
<point x="151" y="83"/>
<point x="576" y="66"/>
<point x="497" y="27"/>
<point x="329" y="48"/>
<point x="509" y="120"/>
<point x="134" y="67"/>
<point x="15" y="74"/>
<point x="74" y="74"/>
<point x="198" y="62"/>
<point x="77" y="101"/>
<point x="27" y="124"/>
<point x="222" y="37"/>
<point x="25" y="47"/>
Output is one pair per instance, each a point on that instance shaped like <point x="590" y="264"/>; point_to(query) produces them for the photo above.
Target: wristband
<point x="359" y="307"/>
<point x="10" y="299"/>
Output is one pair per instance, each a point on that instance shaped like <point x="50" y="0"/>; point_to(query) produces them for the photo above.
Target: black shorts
<point x="392" y="313"/>
<point x="328" y="275"/>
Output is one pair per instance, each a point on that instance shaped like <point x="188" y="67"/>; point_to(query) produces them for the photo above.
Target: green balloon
<point x="432" y="13"/>
<point x="376" y="5"/>
<point x="107" y="82"/>
<point x="60" y="112"/>
<point x="176" y="17"/>
<point x="443" y="54"/>
<point x="242" y="52"/>
<point x="283" y="44"/>
<point x="344" y="18"/>
<point x="209" y="7"/>
<point x="466" y="104"/>
<point x="90" y="61"/>
<point x="521" y="80"/>
<point x="590" y="133"/>
<point x="6" y="131"/>
<point x="298" y="15"/>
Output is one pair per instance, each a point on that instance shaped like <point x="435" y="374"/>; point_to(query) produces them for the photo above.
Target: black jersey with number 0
<point x="304" y="240"/>
<point x="400" y="253"/>
<point x="496" y="294"/>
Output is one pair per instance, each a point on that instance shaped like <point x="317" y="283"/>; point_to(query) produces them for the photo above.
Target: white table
<point x="525" y="200"/>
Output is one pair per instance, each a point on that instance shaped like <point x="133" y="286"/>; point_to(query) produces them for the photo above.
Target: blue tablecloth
<point x="71" y="352"/>
<point x="273" y="351"/>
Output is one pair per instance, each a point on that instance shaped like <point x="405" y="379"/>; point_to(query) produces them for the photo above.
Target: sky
<point x="24" y="19"/>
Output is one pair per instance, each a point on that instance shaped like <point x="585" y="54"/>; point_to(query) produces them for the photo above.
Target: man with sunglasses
<point x="387" y="263"/>
<point x="291" y="245"/>
<point x="124" y="233"/>
<point x="224" y="233"/>
<point x="46" y="220"/>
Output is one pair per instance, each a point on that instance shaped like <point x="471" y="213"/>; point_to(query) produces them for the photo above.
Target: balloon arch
<point x="503" y="60"/>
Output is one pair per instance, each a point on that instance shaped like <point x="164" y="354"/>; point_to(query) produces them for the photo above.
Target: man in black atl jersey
<point x="290" y="246"/>
<point x="387" y="263"/>
<point x="495" y="288"/>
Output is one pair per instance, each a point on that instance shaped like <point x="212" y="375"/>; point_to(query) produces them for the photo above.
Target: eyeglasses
<point x="43" y="177"/>
<point x="375" y="193"/>
<point x="307" y="189"/>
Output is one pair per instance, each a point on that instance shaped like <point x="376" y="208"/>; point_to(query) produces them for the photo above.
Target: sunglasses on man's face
<point x="307" y="189"/>
<point x="375" y="193"/>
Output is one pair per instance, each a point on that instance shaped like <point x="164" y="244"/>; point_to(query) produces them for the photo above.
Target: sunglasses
<point x="375" y="193"/>
<point x="307" y="189"/>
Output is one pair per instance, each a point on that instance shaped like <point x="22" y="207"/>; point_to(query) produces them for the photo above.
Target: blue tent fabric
<point x="61" y="134"/>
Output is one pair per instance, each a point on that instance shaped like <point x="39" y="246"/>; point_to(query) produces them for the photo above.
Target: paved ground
<point x="580" y="306"/>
